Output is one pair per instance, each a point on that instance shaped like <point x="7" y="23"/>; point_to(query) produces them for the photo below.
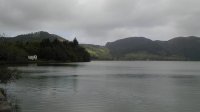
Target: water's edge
<point x="4" y="104"/>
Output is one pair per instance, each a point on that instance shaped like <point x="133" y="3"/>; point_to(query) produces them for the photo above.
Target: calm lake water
<point x="108" y="86"/>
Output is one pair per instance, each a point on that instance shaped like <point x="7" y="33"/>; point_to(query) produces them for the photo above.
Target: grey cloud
<point x="98" y="21"/>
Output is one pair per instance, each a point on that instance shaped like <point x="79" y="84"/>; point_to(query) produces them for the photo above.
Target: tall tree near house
<point x="75" y="41"/>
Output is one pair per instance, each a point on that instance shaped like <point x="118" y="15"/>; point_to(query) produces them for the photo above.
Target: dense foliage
<point x="17" y="49"/>
<point x="62" y="51"/>
<point x="7" y="74"/>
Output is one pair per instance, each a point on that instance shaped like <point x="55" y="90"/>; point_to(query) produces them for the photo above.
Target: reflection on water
<point x="108" y="87"/>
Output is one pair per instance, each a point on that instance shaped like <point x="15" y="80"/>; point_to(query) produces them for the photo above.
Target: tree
<point x="17" y="51"/>
<point x="75" y="41"/>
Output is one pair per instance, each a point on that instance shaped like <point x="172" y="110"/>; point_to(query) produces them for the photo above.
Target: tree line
<point x="46" y="50"/>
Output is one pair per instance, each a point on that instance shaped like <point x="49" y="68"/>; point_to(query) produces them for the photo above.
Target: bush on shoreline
<point x="7" y="74"/>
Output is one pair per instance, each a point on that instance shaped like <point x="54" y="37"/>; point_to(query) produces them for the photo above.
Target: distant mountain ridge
<point x="134" y="48"/>
<point x="132" y="44"/>
<point x="141" y="48"/>
<point x="34" y="37"/>
<point x="131" y="48"/>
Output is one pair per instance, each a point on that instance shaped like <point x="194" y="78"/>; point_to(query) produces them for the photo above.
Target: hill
<point x="33" y="37"/>
<point x="53" y="47"/>
<point x="189" y="47"/>
<point x="133" y="44"/>
<point x="48" y="47"/>
<point x="97" y="52"/>
<point x="140" y="48"/>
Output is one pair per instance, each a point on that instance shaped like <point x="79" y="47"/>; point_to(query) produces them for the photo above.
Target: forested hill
<point x="132" y="44"/>
<point x="34" y="37"/>
<point x="140" y="48"/>
<point x="47" y="47"/>
<point x="51" y="47"/>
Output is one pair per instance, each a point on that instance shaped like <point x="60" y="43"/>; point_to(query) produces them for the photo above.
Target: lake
<point x="108" y="86"/>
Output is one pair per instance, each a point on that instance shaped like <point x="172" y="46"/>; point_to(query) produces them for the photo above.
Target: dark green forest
<point x="47" y="47"/>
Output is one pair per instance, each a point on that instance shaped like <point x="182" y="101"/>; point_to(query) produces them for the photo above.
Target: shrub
<point x="7" y="75"/>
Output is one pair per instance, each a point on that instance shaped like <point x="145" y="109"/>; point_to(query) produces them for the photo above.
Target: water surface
<point x="108" y="86"/>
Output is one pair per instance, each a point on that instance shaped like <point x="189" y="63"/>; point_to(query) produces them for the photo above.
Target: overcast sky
<point x="99" y="21"/>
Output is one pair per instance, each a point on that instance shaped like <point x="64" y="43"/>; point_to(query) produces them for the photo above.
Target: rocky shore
<point x="4" y="104"/>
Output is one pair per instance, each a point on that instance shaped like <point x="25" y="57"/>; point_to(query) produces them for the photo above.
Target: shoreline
<point x="4" y="104"/>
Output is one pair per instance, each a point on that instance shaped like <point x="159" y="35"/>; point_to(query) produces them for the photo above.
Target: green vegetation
<point x="50" y="48"/>
<point x="34" y="37"/>
<point x="12" y="52"/>
<point x="53" y="48"/>
<point x="7" y="74"/>
<point x="140" y="48"/>
<point x="97" y="52"/>
<point x="125" y="46"/>
<point x="62" y="51"/>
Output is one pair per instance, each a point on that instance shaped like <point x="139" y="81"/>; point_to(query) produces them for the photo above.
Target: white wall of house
<point x="34" y="57"/>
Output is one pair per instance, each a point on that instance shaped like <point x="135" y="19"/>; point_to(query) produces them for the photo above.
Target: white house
<point x="34" y="57"/>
